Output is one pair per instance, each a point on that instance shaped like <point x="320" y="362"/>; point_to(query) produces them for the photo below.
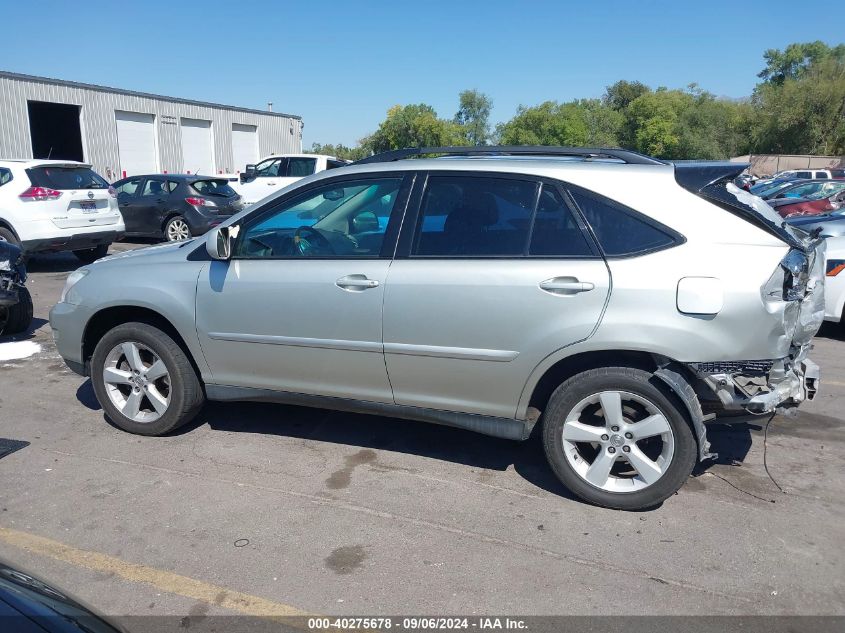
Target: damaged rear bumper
<point x="760" y="386"/>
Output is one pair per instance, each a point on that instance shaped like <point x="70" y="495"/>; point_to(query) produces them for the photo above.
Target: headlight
<point x="72" y="280"/>
<point x="834" y="267"/>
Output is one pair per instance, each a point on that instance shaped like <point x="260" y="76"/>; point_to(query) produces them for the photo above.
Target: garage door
<point x="136" y="143"/>
<point x="197" y="147"/>
<point x="244" y="146"/>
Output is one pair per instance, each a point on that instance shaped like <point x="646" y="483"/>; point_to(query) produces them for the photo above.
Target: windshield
<point x="216" y="187"/>
<point x="826" y="190"/>
<point x="769" y="188"/>
<point x="62" y="178"/>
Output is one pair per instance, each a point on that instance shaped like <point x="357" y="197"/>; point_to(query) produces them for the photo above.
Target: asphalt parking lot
<point x="281" y="510"/>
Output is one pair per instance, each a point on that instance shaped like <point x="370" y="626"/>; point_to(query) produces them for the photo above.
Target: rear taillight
<point x="200" y="202"/>
<point x="112" y="192"/>
<point x="790" y="280"/>
<point x="40" y="193"/>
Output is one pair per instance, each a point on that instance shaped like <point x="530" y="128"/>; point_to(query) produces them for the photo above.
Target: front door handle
<point x="356" y="283"/>
<point x="565" y="285"/>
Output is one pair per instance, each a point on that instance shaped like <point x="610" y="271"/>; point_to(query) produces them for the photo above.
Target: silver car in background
<point x="614" y="302"/>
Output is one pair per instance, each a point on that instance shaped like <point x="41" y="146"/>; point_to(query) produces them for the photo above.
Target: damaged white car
<point x="612" y="301"/>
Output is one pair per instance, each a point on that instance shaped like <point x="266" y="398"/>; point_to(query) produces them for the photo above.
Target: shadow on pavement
<point x="29" y="334"/>
<point x="373" y="432"/>
<point x="387" y="434"/>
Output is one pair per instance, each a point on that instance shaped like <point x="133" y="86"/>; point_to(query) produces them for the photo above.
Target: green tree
<point x="576" y="123"/>
<point x="796" y="59"/>
<point x="340" y="151"/>
<point x="414" y="125"/>
<point x="803" y="114"/>
<point x="620" y="95"/>
<point x="474" y="116"/>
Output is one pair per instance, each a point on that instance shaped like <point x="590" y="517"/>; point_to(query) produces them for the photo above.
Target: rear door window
<point x="470" y="216"/>
<point x="555" y="232"/>
<point x="66" y="178"/>
<point x="5" y="176"/>
<point x="621" y="231"/>
<point x="299" y="167"/>
<point x="155" y="187"/>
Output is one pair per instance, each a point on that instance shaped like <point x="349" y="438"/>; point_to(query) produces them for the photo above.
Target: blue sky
<point x="341" y="65"/>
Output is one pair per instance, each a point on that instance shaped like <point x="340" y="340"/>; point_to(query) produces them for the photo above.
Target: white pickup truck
<point x="280" y="170"/>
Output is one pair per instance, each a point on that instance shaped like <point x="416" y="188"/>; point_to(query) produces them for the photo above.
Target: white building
<point x="121" y="132"/>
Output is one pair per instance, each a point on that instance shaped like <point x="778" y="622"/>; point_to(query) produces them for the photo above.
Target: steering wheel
<point x="310" y="241"/>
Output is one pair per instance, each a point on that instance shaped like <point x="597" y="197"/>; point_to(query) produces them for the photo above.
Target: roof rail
<point x="624" y="155"/>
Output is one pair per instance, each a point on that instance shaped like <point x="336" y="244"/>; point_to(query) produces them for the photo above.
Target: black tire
<point x="638" y="382"/>
<point x="17" y="318"/>
<point x="186" y="394"/>
<point x="169" y="224"/>
<point x="7" y="236"/>
<point x="90" y="255"/>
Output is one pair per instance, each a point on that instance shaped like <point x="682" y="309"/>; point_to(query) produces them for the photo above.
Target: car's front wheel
<point x="177" y="229"/>
<point x="615" y="438"/>
<point x="144" y="380"/>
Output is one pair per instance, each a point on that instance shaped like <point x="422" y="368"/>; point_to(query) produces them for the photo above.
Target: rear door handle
<point x="565" y="286"/>
<point x="356" y="283"/>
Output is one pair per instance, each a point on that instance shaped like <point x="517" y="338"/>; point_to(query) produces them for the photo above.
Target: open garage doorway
<point x="55" y="130"/>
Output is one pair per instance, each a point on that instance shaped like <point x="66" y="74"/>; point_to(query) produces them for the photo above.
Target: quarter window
<point x="344" y="219"/>
<point x="619" y="230"/>
<point x="474" y="216"/>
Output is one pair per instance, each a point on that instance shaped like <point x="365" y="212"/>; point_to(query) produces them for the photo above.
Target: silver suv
<point x="613" y="301"/>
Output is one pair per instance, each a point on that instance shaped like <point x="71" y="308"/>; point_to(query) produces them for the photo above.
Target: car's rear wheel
<point x="89" y="255"/>
<point x="177" y="229"/>
<point x="17" y="318"/>
<point x="616" y="438"/>
<point x="144" y="380"/>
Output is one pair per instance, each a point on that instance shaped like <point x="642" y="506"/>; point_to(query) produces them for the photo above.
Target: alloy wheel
<point x="137" y="382"/>
<point x="177" y="230"/>
<point x="618" y="441"/>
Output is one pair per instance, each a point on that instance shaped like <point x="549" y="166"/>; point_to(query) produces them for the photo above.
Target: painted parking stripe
<point x="158" y="578"/>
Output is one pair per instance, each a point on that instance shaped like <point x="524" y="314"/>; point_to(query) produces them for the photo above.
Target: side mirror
<point x="218" y="242"/>
<point x="248" y="173"/>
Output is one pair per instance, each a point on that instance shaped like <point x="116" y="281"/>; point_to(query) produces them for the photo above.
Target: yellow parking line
<point x="160" y="579"/>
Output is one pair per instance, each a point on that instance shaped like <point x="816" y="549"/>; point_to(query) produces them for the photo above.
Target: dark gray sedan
<point x="175" y="206"/>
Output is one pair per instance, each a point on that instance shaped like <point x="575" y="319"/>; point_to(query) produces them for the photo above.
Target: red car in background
<point x="803" y="206"/>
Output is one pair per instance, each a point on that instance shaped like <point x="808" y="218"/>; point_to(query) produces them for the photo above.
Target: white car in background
<point x="58" y="205"/>
<point x="835" y="280"/>
<point x="278" y="171"/>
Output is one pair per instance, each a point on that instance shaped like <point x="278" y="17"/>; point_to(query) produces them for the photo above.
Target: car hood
<point x="161" y="252"/>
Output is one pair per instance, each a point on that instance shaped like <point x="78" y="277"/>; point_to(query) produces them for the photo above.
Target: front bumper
<point x="68" y="321"/>
<point x="759" y="386"/>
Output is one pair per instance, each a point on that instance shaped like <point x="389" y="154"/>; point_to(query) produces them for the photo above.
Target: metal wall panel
<point x="277" y="133"/>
